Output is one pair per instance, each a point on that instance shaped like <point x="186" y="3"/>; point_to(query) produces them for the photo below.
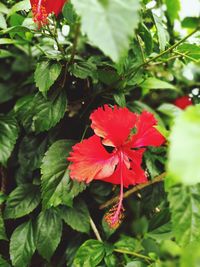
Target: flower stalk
<point x="133" y="190"/>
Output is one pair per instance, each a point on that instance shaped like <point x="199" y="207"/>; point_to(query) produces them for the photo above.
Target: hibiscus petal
<point x="183" y="102"/>
<point x="53" y="6"/>
<point x="136" y="161"/>
<point x="147" y="134"/>
<point x="114" y="125"/>
<point x="91" y="161"/>
<point x="134" y="155"/>
<point x="42" y="8"/>
<point x="133" y="176"/>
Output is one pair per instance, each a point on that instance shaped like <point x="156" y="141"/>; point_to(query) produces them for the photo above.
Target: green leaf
<point x="107" y="77"/>
<point x="100" y="191"/>
<point x="147" y="38"/>
<point x="77" y="217"/>
<point x="46" y="74"/>
<point x="118" y="20"/>
<point x="84" y="70"/>
<point x="137" y="264"/>
<point x="3" y="24"/>
<point x="22" y="200"/>
<point x="108" y="231"/>
<point x="22" y="245"/>
<point x="48" y="232"/>
<point x="185" y="167"/>
<point x="16" y="20"/>
<point x="3" y="8"/>
<point x="171" y="248"/>
<point x="31" y="152"/>
<point x="190" y="255"/>
<point x="163" y="36"/>
<point x="185" y="208"/>
<point x="3" y="197"/>
<point x="120" y="99"/>
<point x="170" y="110"/>
<point x="3" y="263"/>
<point x="128" y="243"/>
<point x="72" y="248"/>
<point x="38" y="114"/>
<point x="8" y="136"/>
<point x="164" y="232"/>
<point x="22" y="5"/>
<point x="111" y="260"/>
<point x="90" y="254"/>
<point x="57" y="187"/>
<point x="173" y="8"/>
<point x="15" y="29"/>
<point x="192" y="51"/>
<point x="4" y="53"/>
<point x="6" y="92"/>
<point x="190" y="22"/>
<point x="7" y="41"/>
<point x="140" y="226"/>
<point x="2" y="230"/>
<point x="153" y="161"/>
<point x="155" y="84"/>
<point x="69" y="13"/>
<point x="151" y="247"/>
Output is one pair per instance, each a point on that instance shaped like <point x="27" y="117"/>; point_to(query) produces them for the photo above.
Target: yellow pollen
<point x="39" y="13"/>
<point x="109" y="217"/>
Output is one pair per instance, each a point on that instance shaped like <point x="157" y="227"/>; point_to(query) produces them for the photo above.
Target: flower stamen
<point x="115" y="215"/>
<point x="113" y="221"/>
<point x="39" y="13"/>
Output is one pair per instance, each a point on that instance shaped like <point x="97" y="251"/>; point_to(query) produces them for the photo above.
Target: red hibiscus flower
<point x="183" y="102"/>
<point x="42" y="8"/>
<point x="127" y="134"/>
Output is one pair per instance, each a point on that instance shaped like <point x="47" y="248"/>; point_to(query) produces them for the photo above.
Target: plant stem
<point x="86" y="128"/>
<point x="56" y="40"/>
<point x="133" y="254"/>
<point x="115" y="84"/>
<point x="171" y="47"/>
<point x="186" y="56"/>
<point x="136" y="188"/>
<point x="95" y="230"/>
<point x="161" y="62"/>
<point x="73" y="53"/>
<point x="41" y="50"/>
<point x="141" y="49"/>
<point x="165" y="51"/>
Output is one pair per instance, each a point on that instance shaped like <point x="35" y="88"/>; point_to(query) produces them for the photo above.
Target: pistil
<point x="115" y="215"/>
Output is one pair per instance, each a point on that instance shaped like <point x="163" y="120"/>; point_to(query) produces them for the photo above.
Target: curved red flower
<point x="107" y="122"/>
<point x="183" y="102"/>
<point x="126" y="133"/>
<point x="146" y="134"/>
<point x="42" y="8"/>
<point x="91" y="160"/>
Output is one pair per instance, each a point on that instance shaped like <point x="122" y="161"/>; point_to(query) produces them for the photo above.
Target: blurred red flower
<point x="42" y="8"/>
<point x="183" y="102"/>
<point x="127" y="133"/>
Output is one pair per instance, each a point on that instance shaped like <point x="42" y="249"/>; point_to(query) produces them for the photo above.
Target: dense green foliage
<point x="121" y="52"/>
